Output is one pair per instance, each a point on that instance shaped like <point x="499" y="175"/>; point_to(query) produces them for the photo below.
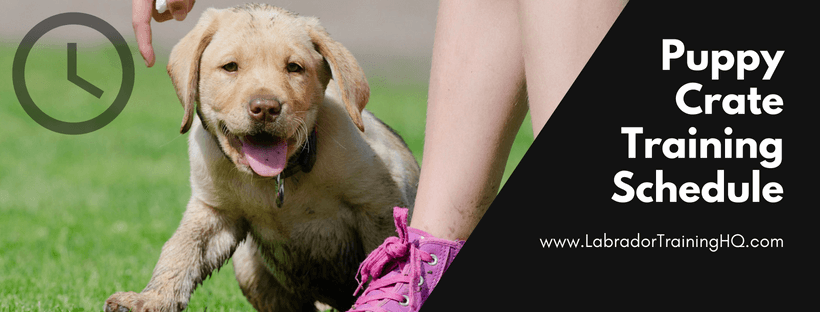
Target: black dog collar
<point x="304" y="158"/>
<point x="302" y="161"/>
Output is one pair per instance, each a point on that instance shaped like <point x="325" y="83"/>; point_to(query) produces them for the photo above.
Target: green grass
<point x="85" y="216"/>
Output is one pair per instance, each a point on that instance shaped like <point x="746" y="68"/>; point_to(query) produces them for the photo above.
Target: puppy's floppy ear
<point x="183" y="65"/>
<point x="345" y="71"/>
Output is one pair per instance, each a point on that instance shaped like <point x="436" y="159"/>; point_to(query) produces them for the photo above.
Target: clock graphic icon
<point x="118" y="104"/>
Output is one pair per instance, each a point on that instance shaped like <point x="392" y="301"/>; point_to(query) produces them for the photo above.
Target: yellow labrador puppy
<point x="289" y="175"/>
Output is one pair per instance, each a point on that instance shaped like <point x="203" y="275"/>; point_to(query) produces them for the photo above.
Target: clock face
<point x="93" y="84"/>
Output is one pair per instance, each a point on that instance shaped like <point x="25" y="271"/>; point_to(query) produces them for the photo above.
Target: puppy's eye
<point x="293" y="67"/>
<point x="231" y="67"/>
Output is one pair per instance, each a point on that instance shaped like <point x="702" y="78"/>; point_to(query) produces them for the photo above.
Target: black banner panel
<point x="678" y="171"/>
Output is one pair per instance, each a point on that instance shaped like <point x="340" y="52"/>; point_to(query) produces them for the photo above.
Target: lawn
<point x="84" y="216"/>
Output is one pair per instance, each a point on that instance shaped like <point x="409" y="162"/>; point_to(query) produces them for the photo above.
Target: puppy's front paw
<point x="134" y="302"/>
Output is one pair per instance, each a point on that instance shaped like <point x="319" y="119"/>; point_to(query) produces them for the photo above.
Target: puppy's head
<point x="259" y="74"/>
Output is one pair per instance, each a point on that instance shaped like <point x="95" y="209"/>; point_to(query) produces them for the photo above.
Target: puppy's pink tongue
<point x="267" y="160"/>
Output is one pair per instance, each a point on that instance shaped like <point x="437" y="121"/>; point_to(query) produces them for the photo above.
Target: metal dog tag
<point x="280" y="193"/>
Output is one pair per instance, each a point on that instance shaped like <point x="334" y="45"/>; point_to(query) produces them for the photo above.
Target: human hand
<point x="141" y="13"/>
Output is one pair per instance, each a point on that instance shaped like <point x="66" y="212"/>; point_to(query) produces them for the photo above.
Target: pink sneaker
<point x="404" y="269"/>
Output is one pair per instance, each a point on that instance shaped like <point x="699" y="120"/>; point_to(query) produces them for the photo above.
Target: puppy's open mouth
<point x="266" y="154"/>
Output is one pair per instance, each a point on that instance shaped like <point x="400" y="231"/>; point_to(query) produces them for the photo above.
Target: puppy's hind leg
<point x="261" y="288"/>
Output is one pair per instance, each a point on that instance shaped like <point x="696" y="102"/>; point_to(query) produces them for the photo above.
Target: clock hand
<point x="72" y="73"/>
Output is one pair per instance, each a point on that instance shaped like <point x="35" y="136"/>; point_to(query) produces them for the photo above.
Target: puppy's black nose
<point x="264" y="108"/>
